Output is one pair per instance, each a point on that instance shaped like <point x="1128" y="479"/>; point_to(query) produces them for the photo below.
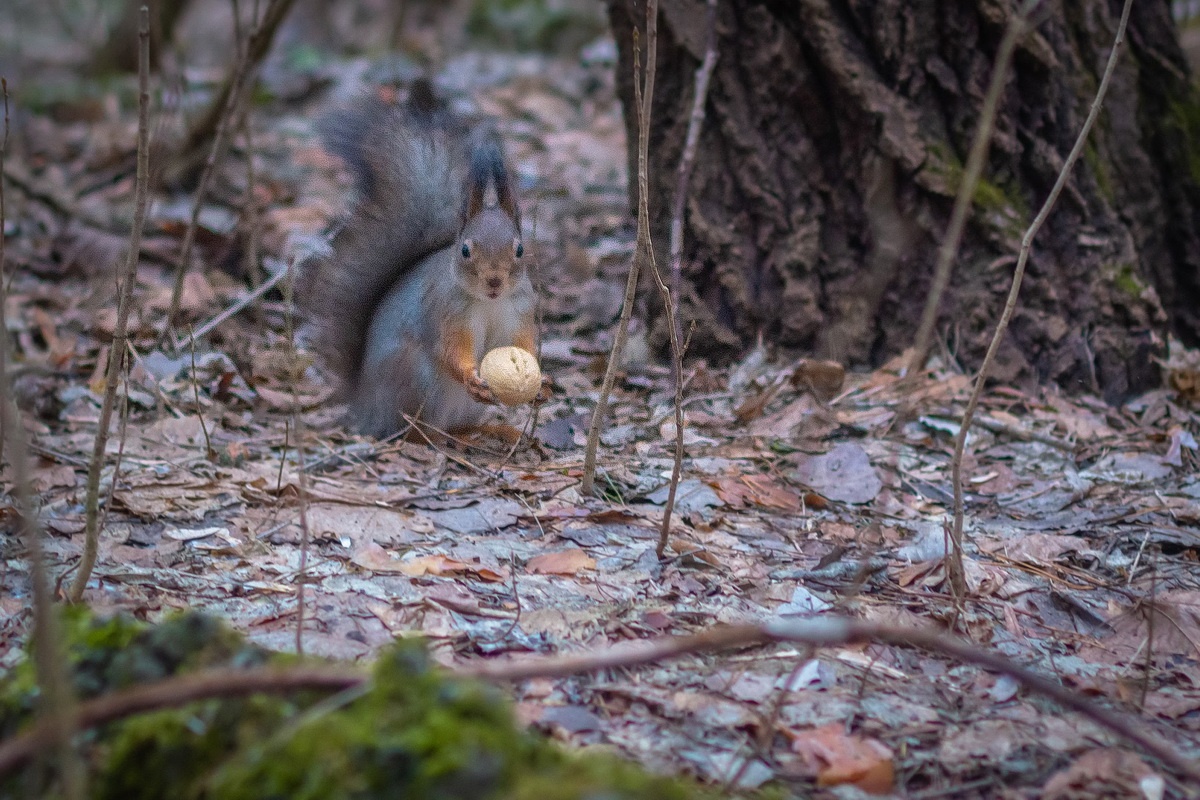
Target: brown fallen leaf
<point x="686" y="548"/>
<point x="824" y="378"/>
<point x="560" y="562"/>
<point x="1104" y="772"/>
<point x="756" y="490"/>
<point x="370" y="555"/>
<point x="844" y="474"/>
<point x="1183" y="370"/>
<point x="836" y="758"/>
<point x="444" y="565"/>
<point x="286" y="399"/>
<point x="1175" y="629"/>
<point x="53" y="477"/>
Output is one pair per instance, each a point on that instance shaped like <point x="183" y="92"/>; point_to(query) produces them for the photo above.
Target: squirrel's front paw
<point x="479" y="390"/>
<point x="546" y="392"/>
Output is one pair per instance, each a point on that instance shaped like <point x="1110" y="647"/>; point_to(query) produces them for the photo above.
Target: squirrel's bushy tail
<point x="410" y="162"/>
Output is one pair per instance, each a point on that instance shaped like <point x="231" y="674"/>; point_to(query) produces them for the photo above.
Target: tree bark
<point x="834" y="141"/>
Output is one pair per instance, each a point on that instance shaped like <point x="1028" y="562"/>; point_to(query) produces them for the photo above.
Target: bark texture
<point x="833" y="144"/>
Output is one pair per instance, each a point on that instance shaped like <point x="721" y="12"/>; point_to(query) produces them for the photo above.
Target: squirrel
<point x="423" y="278"/>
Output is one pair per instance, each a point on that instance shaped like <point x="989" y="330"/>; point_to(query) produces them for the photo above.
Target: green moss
<point x="1184" y="117"/>
<point x="1100" y="170"/>
<point x="989" y="197"/>
<point x="413" y="733"/>
<point x="1125" y="278"/>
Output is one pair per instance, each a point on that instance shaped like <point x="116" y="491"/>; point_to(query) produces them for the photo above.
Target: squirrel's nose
<point x="494" y="283"/>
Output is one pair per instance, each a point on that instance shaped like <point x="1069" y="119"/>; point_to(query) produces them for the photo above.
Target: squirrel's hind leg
<point x="505" y="433"/>
<point x="390" y="394"/>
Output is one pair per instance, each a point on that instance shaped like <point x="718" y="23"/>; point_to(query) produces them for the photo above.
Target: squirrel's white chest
<point x="495" y="324"/>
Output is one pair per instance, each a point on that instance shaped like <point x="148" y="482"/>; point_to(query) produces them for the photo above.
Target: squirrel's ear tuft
<point x="466" y="249"/>
<point x="520" y="249"/>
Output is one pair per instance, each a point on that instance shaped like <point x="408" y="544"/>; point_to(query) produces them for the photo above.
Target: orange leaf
<point x="561" y="562"/>
<point x="433" y="565"/>
<point x="370" y="555"/>
<point x="686" y="548"/>
<point x="771" y="494"/>
<point x="838" y="758"/>
<point x="759" y="490"/>
<point x="823" y="377"/>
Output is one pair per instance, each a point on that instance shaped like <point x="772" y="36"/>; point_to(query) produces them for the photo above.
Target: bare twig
<point x="960" y="441"/>
<point x="180" y="691"/>
<point x="687" y="161"/>
<point x="539" y="312"/>
<point x="208" y="448"/>
<point x="966" y="190"/>
<point x="671" y="299"/>
<point x="59" y="703"/>
<point x="996" y="426"/>
<point x="118" y="462"/>
<point x="218" y="123"/>
<point x="827" y="631"/>
<point x="301" y="470"/>
<point x="241" y="304"/>
<point x="3" y="281"/>
<point x="644" y="95"/>
<point x="59" y="700"/>
<point x="257" y="46"/>
<point x="1017" y="26"/>
<point x="254" y="265"/>
<point x="116" y="353"/>
<point x="643" y="250"/>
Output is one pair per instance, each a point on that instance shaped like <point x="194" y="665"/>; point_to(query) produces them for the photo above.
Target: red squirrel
<point x="425" y="277"/>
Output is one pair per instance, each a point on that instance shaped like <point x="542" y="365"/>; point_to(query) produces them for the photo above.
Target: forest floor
<point x="1083" y="519"/>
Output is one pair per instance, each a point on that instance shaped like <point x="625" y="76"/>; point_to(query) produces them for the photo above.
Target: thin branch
<point x="644" y="102"/>
<point x="960" y="441"/>
<point x="179" y="691"/>
<point x="687" y="161"/>
<point x="587" y="485"/>
<point x="3" y="282"/>
<point x="58" y="705"/>
<point x="257" y="47"/>
<point x="966" y="190"/>
<point x="208" y="448"/>
<point x="122" y="429"/>
<point x="671" y="298"/>
<point x="1017" y="26"/>
<point x="827" y="631"/>
<point x="219" y="123"/>
<point x="116" y="353"/>
<point x="301" y="470"/>
<point x="254" y="266"/>
<point x="241" y="304"/>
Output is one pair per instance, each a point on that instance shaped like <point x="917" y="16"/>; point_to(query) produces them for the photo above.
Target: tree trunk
<point x="834" y="141"/>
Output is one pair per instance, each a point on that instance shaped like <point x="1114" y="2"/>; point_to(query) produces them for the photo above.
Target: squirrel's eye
<point x="520" y="249"/>
<point x="466" y="251"/>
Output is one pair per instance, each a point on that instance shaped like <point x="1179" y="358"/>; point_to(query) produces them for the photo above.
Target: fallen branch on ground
<point x="817" y="632"/>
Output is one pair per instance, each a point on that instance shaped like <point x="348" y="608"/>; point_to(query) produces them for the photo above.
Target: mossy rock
<point x="412" y="732"/>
